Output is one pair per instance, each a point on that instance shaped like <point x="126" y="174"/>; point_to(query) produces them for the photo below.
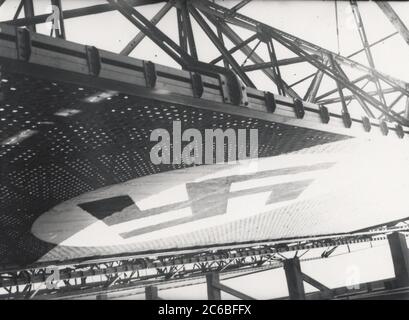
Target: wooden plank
<point x="58" y="61"/>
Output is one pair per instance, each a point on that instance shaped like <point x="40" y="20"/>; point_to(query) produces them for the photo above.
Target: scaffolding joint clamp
<point x="149" y="71"/>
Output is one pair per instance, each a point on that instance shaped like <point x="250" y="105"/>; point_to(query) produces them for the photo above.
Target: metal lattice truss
<point x="211" y="16"/>
<point x="121" y="274"/>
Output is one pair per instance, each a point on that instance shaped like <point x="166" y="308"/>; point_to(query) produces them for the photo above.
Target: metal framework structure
<point x="128" y="275"/>
<point x="218" y="23"/>
<point x="209" y="15"/>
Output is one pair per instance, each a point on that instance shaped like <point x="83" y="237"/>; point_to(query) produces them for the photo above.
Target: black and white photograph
<point x="197" y="153"/>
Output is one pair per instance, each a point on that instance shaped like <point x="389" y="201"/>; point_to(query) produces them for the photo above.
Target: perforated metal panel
<point x="59" y="141"/>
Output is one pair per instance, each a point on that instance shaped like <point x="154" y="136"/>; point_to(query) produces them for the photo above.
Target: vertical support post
<point x="29" y="13"/>
<point x="295" y="284"/>
<point x="400" y="258"/>
<point x="151" y="293"/>
<point x="213" y="293"/>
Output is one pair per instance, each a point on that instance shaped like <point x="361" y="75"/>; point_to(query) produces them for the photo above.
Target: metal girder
<point x="324" y="289"/>
<point x="213" y="292"/>
<point x="19" y="8"/>
<point x="127" y="50"/>
<point x="220" y="35"/>
<point x="240" y="5"/>
<point x="406" y="114"/>
<point x="216" y="41"/>
<point x="177" y="53"/>
<point x="295" y="283"/>
<point x="312" y="90"/>
<point x="123" y="273"/>
<point x="328" y="93"/>
<point x="149" y="29"/>
<point x="362" y="103"/>
<point x="275" y="68"/>
<point x="29" y="12"/>
<point x="334" y="74"/>
<point x="182" y="30"/>
<point x="281" y="62"/>
<point x="298" y="44"/>
<point x="400" y="258"/>
<point x="348" y="56"/>
<point x="185" y="29"/>
<point x="255" y="58"/>
<point x="250" y="53"/>
<point x="394" y="19"/>
<point x="76" y="13"/>
<point x="234" y="49"/>
<point x="311" y="94"/>
<point x="353" y="97"/>
<point x="245" y="22"/>
<point x="232" y="291"/>
<point x="151" y="293"/>
<point x="394" y="102"/>
<point x="367" y="49"/>
<point x="60" y="33"/>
